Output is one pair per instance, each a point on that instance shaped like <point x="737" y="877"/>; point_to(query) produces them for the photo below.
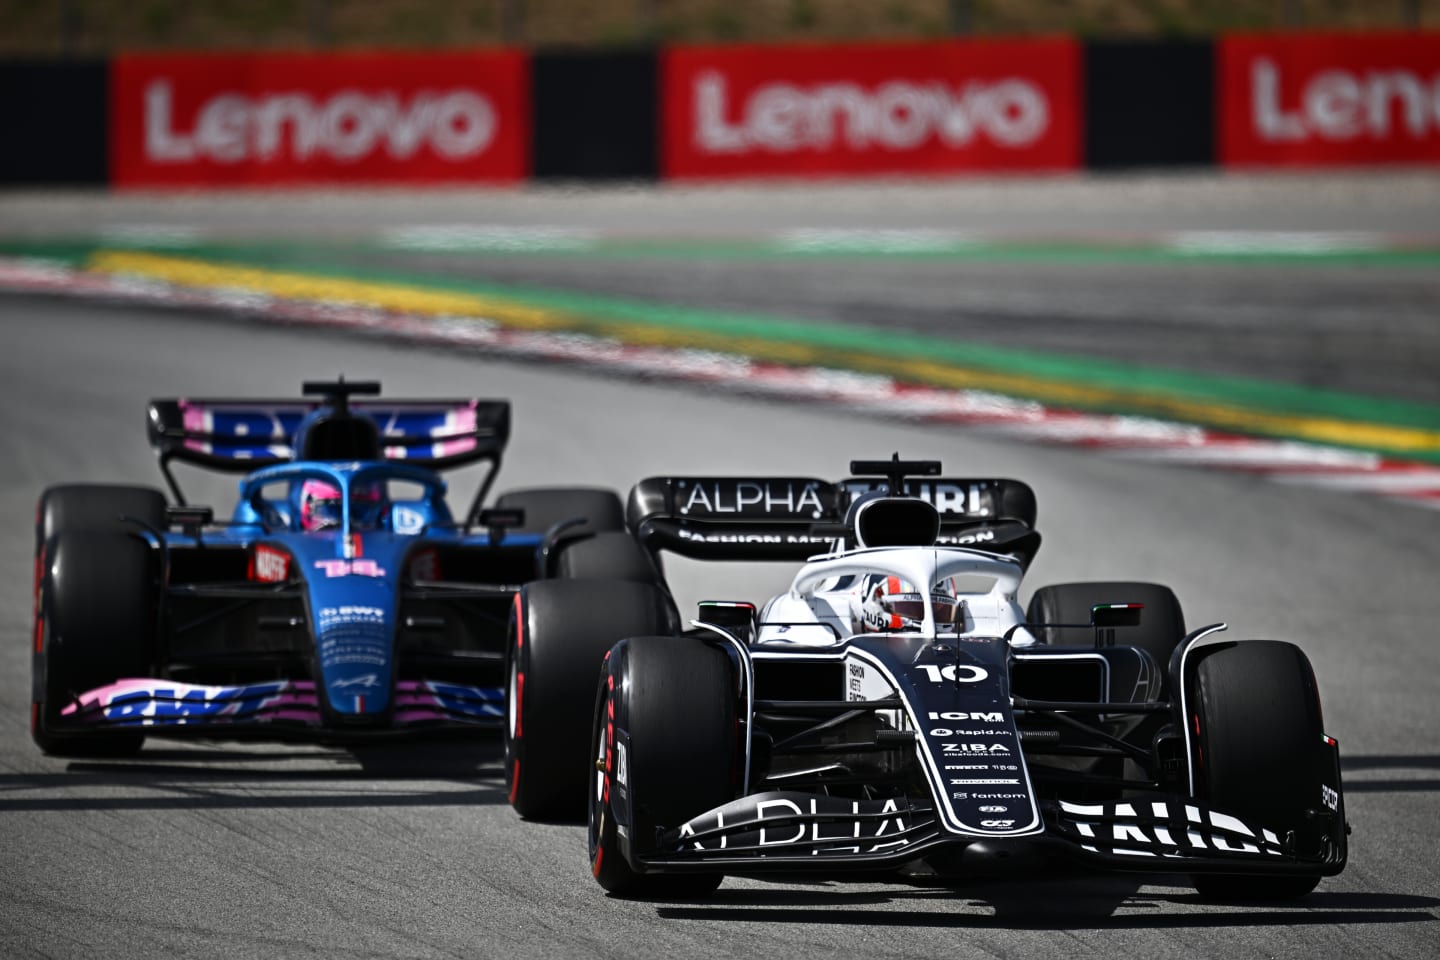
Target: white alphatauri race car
<point x="897" y="709"/>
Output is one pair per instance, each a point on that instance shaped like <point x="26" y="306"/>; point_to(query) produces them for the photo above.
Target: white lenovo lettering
<point x="1338" y="105"/>
<point x="349" y="126"/>
<point x="898" y="115"/>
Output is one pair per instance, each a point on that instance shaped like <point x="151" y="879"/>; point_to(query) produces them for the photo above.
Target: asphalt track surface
<point x="260" y="851"/>
<point x="1363" y="329"/>
<point x="1366" y="327"/>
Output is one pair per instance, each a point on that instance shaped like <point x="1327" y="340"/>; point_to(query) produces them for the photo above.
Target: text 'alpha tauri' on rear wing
<point x="776" y="518"/>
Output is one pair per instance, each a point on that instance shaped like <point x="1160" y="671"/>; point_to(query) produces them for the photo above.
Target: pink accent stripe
<point x="291" y="694"/>
<point x="197" y="419"/>
<point x="194" y="415"/>
<point x="461" y="420"/>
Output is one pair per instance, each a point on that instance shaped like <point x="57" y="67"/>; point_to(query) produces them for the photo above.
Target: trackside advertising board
<point x="742" y="111"/>
<point x="1329" y="99"/>
<point x="265" y="119"/>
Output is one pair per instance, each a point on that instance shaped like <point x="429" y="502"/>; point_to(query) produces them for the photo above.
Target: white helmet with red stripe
<point x="891" y="605"/>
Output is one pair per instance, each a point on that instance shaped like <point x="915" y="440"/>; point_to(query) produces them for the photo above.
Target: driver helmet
<point x="891" y="605"/>
<point x="320" y="506"/>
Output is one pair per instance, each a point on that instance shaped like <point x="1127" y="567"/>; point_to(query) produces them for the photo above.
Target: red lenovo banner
<point x="1329" y="99"/>
<point x="869" y="109"/>
<point x="302" y="118"/>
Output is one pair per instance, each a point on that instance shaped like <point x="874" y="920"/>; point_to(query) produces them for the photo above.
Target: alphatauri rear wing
<point x="793" y="518"/>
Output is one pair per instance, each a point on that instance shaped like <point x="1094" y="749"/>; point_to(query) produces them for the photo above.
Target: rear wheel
<point x="613" y="555"/>
<point x="1161" y="627"/>
<point x="598" y="508"/>
<point x="1257" y="711"/>
<point x="97" y="507"/>
<point x="559" y="633"/>
<point x="95" y="604"/>
<point x="674" y="702"/>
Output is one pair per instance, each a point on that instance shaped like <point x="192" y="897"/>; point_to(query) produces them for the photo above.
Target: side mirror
<point x="1104" y="618"/>
<point x="1107" y="616"/>
<point x="496" y="522"/>
<point x="189" y="519"/>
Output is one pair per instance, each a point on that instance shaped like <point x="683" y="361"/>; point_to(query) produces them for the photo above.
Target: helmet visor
<point x="366" y="506"/>
<point x="323" y="514"/>
<point x="946" y="609"/>
<point x="907" y="605"/>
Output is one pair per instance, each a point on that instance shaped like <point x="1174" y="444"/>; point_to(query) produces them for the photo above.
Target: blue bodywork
<point x="387" y="622"/>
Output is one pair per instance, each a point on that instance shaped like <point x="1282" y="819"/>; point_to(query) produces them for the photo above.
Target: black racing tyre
<point x="96" y="617"/>
<point x="544" y="507"/>
<point x="559" y="633"/>
<point x="87" y="508"/>
<point x="1257" y="711"/>
<point x="676" y="699"/>
<point x="613" y="555"/>
<point x="96" y="507"/>
<point x="1161" y="627"/>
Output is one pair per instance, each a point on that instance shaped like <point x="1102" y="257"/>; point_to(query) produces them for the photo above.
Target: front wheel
<point x="666" y="749"/>
<point x="95" y="623"/>
<point x="95" y="597"/>
<point x="1257" y="712"/>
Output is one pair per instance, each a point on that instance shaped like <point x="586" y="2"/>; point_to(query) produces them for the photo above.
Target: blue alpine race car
<point x="342" y="600"/>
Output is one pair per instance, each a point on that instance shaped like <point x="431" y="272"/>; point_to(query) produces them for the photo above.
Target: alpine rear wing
<point x="794" y="518"/>
<point x="237" y="436"/>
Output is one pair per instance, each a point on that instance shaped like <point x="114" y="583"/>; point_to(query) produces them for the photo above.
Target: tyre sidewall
<point x="613" y="555"/>
<point x="559" y="633"/>
<point x="96" y="508"/>
<point x="665" y="716"/>
<point x="600" y="509"/>
<point x="97" y="611"/>
<point x="609" y="805"/>
<point x="1259" y="731"/>
<point x="1256" y="710"/>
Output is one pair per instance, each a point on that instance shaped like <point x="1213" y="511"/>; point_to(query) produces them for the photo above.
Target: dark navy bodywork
<point x="924" y="746"/>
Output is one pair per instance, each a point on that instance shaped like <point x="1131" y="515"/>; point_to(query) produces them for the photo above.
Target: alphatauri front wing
<point x="789" y="831"/>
